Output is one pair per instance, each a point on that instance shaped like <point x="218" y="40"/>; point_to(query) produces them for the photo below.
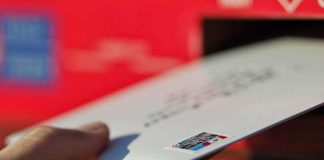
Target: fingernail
<point x="93" y="127"/>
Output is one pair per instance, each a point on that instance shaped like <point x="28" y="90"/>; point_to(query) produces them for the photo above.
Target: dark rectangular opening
<point x="222" y="34"/>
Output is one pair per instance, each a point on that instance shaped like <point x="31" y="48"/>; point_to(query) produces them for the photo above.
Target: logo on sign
<point x="26" y="49"/>
<point x="290" y="5"/>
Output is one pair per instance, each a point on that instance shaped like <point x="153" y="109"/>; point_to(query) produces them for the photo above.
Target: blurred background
<point x="57" y="55"/>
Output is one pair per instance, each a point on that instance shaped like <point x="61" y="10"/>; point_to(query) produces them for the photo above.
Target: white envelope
<point x="204" y="106"/>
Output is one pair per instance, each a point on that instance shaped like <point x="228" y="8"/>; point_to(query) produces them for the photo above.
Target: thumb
<point x="51" y="143"/>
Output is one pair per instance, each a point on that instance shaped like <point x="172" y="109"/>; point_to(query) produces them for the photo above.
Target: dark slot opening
<point x="222" y="34"/>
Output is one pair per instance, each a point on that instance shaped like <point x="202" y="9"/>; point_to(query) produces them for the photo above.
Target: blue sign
<point x="27" y="47"/>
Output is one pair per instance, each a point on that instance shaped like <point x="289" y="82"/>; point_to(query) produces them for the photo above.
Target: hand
<point x="48" y="143"/>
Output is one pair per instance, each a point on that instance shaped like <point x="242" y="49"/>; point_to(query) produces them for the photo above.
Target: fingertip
<point x="100" y="133"/>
